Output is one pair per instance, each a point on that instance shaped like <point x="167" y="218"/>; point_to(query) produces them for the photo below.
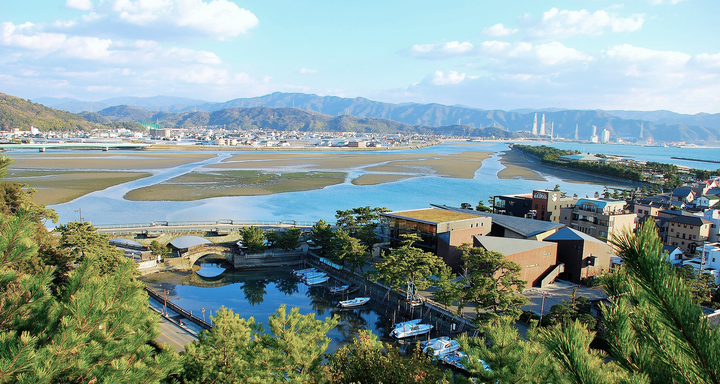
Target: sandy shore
<point x="519" y="165"/>
<point x="379" y="178"/>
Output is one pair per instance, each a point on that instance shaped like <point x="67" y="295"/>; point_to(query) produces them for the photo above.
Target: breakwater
<point x="699" y="160"/>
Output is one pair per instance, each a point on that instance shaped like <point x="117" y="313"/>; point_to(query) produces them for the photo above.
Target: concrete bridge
<point x="157" y="228"/>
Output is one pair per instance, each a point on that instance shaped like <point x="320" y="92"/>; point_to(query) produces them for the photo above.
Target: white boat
<point x="455" y="359"/>
<point x="317" y="280"/>
<point x="411" y="330"/>
<point x="301" y="272"/>
<point x="441" y="346"/>
<point x="356" y="302"/>
<point x="313" y="275"/>
<point x="406" y="323"/>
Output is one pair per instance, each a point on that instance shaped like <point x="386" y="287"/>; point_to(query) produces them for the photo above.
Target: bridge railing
<point x="223" y="222"/>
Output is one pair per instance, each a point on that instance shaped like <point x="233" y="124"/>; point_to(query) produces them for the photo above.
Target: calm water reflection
<point x="260" y="292"/>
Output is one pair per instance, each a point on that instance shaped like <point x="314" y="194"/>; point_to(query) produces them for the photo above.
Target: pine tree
<point x="493" y="282"/>
<point x="511" y="358"/>
<point x="97" y="328"/>
<point x="368" y="360"/>
<point x="656" y="327"/>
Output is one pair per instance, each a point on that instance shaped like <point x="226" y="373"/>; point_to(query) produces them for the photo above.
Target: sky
<point x="584" y="54"/>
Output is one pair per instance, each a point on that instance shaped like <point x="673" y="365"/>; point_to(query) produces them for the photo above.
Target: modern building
<point x="541" y="205"/>
<point x="599" y="218"/>
<point x="713" y="216"/>
<point x="441" y="231"/>
<point x="547" y="204"/>
<point x="518" y="205"/>
<point x="583" y="255"/>
<point x="536" y="258"/>
<point x="513" y="227"/>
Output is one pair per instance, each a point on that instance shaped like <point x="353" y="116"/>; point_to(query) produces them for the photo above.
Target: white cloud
<point x="658" y="2"/>
<point x="498" y="30"/>
<point x="218" y="19"/>
<point x="451" y="77"/>
<point x="83" y="5"/>
<point x="547" y="54"/>
<point x="557" y="24"/>
<point x="306" y="71"/>
<point x="441" y="51"/>
<point x="25" y="36"/>
<point x="620" y="77"/>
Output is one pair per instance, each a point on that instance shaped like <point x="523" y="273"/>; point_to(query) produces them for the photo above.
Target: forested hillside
<point x="20" y="113"/>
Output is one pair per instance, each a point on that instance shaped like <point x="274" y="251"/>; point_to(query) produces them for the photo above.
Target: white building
<point x="713" y="216"/>
<point x="605" y="136"/>
<point x="708" y="260"/>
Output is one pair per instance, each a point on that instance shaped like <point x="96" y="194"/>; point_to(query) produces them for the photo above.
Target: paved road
<point x="172" y="334"/>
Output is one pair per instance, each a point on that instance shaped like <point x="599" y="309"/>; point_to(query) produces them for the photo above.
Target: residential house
<point x="687" y="232"/>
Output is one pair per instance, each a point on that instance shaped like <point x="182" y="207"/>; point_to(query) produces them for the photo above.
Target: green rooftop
<point x="433" y="215"/>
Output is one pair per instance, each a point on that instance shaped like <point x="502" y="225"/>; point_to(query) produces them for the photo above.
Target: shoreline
<point x="569" y="174"/>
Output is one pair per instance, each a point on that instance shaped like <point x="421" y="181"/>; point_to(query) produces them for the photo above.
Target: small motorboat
<point x="406" y="323"/>
<point x="313" y="275"/>
<point x="317" y="280"/>
<point x="302" y="272"/>
<point x="356" y="302"/>
<point x="338" y="289"/>
<point x="440" y="345"/>
<point x="411" y="330"/>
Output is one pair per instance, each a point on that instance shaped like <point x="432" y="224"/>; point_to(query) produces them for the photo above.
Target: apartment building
<point x="687" y="232"/>
<point x="599" y="218"/>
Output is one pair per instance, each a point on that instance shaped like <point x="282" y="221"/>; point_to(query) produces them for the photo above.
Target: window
<point x="694" y="237"/>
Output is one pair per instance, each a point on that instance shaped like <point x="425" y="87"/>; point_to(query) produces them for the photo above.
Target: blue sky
<point x="589" y="54"/>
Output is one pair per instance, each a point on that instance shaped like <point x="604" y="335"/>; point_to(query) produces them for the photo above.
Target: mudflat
<point x="104" y="160"/>
<point x="61" y="187"/>
<point x="202" y="185"/>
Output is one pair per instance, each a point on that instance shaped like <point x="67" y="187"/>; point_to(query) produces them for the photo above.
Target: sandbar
<point x="61" y="187"/>
<point x="203" y="185"/>
<point x="379" y="178"/>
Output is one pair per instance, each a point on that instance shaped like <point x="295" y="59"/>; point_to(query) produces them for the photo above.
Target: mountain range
<point x="312" y="112"/>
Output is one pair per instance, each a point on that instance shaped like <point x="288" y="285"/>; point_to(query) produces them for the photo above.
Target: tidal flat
<point x="57" y="187"/>
<point x="198" y="185"/>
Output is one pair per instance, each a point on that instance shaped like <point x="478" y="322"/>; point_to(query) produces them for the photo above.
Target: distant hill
<point x="155" y="103"/>
<point x="288" y="119"/>
<point x="20" y="113"/>
<point x="183" y="112"/>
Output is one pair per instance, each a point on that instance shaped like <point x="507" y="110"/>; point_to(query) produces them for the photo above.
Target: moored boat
<point x="317" y="280"/>
<point x="440" y="346"/>
<point x="339" y="289"/>
<point x="356" y="302"/>
<point x="411" y="330"/>
<point x="407" y="323"/>
<point x="313" y="275"/>
<point x="301" y="272"/>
